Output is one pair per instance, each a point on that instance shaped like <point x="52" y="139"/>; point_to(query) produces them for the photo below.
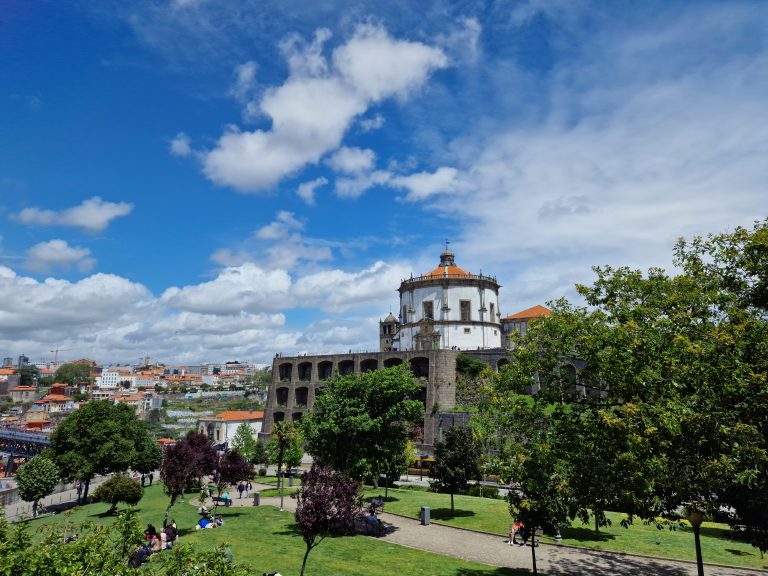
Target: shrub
<point x="119" y="489"/>
<point x="262" y="471"/>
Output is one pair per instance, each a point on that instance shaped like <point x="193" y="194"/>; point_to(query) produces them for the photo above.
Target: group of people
<point x="154" y="542"/>
<point x="208" y="520"/>
<point x="245" y="487"/>
<point x="518" y="531"/>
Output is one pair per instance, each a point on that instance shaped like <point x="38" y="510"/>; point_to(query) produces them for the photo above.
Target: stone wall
<point x="295" y="380"/>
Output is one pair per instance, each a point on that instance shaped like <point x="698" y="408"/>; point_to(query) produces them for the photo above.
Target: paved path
<point x="551" y="559"/>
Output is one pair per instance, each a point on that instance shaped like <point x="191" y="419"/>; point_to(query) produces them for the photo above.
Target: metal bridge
<point x="16" y="443"/>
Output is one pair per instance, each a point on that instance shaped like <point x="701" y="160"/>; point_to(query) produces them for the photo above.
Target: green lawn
<point x="492" y="516"/>
<point x="267" y="540"/>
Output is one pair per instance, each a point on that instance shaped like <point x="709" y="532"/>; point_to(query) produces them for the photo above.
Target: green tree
<point x="244" y="442"/>
<point x="360" y="421"/>
<point x="119" y="489"/>
<point x="457" y="461"/>
<point x="28" y="375"/>
<point x="73" y="374"/>
<point x="286" y="439"/>
<point x="99" y="438"/>
<point x="671" y="383"/>
<point x="260" y="453"/>
<point x="36" y="479"/>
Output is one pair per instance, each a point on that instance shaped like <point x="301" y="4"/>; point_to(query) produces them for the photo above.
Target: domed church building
<point x="447" y="308"/>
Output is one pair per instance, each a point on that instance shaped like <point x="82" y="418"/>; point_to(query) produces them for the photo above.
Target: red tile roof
<point x="235" y="415"/>
<point x="529" y="313"/>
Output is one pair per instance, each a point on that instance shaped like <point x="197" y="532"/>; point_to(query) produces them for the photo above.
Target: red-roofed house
<point x="519" y="322"/>
<point x="221" y="428"/>
<point x="23" y="393"/>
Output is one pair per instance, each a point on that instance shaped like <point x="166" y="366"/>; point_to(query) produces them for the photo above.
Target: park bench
<point x="220" y="500"/>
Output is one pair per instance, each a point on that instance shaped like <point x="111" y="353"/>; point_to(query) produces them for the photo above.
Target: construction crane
<point x="56" y="353"/>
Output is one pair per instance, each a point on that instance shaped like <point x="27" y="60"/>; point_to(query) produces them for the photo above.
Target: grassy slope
<point x="267" y="540"/>
<point x="488" y="515"/>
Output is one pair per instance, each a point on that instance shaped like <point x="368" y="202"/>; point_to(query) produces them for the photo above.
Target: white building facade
<point x="448" y="308"/>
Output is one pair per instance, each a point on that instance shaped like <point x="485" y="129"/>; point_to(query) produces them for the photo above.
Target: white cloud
<point x="422" y="185"/>
<point x="371" y="124"/>
<point x="46" y="256"/>
<point x="313" y="109"/>
<point x="352" y="160"/>
<point x="181" y="145"/>
<point x="356" y="185"/>
<point x="93" y="215"/>
<point x="244" y="288"/>
<point x="306" y="190"/>
<point x="245" y="81"/>
<point x="281" y="227"/>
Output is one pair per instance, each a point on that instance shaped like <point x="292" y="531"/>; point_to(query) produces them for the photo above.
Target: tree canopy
<point x="358" y="422"/>
<point x="100" y="438"/>
<point x="184" y="465"/>
<point x="457" y="461"/>
<point x="653" y="395"/>
<point x="244" y="441"/>
<point x="36" y="479"/>
<point x="73" y="373"/>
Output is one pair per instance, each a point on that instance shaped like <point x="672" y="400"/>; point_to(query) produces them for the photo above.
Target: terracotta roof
<point x="54" y="398"/>
<point x="22" y="389"/>
<point x="447" y="271"/>
<point x="163" y="441"/>
<point x="234" y="415"/>
<point x="7" y="371"/>
<point x="529" y="313"/>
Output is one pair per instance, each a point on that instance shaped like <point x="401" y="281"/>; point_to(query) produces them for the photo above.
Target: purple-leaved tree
<point x="231" y="468"/>
<point x="328" y="503"/>
<point x="185" y="463"/>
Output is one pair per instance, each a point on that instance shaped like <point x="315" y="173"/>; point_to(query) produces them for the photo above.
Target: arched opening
<point x="420" y="367"/>
<point x="325" y="370"/>
<point x="421" y="396"/>
<point x="346" y="367"/>
<point x="286" y="371"/>
<point x="369" y="365"/>
<point x="301" y="396"/>
<point x="389" y="362"/>
<point x="501" y="363"/>
<point x="297" y="416"/>
<point x="281" y="396"/>
<point x="278" y="417"/>
<point x="570" y="379"/>
<point x="305" y="371"/>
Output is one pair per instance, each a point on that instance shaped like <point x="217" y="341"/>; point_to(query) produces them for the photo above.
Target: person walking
<point x="241" y="489"/>
<point x="248" y="488"/>
<point x="151" y="476"/>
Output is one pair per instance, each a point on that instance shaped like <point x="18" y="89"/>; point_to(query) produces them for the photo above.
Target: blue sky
<point x="200" y="180"/>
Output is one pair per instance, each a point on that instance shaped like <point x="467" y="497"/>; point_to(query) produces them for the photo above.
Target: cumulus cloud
<point x="93" y="215"/>
<point x="306" y="190"/>
<point x="312" y="110"/>
<point x="281" y="227"/>
<point x="181" y="145"/>
<point x="356" y="185"/>
<point x="423" y="185"/>
<point x="46" y="256"/>
<point x="244" y="288"/>
<point x="352" y="160"/>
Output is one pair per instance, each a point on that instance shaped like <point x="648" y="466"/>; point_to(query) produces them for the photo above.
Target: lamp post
<point x="696" y="517"/>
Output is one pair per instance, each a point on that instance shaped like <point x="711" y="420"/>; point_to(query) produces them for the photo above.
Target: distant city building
<point x="221" y="428"/>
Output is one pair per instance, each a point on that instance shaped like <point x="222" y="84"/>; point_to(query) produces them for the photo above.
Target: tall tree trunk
<point x="597" y="527"/>
<point x="452" y="512"/>
<point x="533" y="549"/>
<point x="34" y="508"/>
<point x="86" y="486"/>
